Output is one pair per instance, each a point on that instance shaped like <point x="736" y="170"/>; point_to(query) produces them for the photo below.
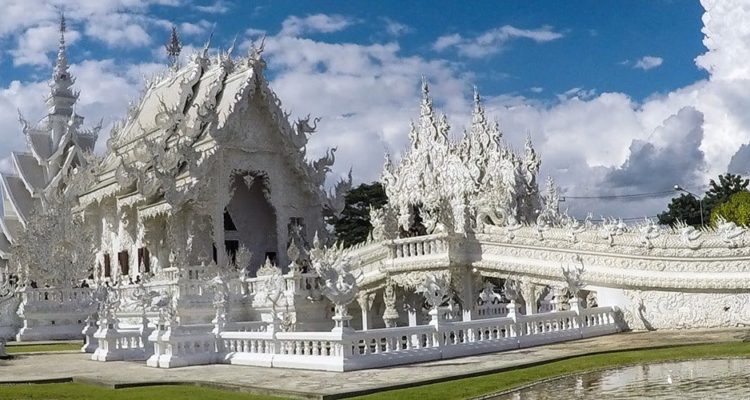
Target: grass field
<point x="26" y="348"/>
<point x="455" y="389"/>
<point x="80" y="391"/>
<point x="477" y="386"/>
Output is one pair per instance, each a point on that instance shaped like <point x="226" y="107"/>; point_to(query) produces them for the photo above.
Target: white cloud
<point x="317" y="23"/>
<point x="120" y="30"/>
<point x="194" y="29"/>
<point x="35" y="43"/>
<point x="494" y="40"/>
<point x="217" y="7"/>
<point x="648" y="62"/>
<point x="395" y="28"/>
<point x="592" y="143"/>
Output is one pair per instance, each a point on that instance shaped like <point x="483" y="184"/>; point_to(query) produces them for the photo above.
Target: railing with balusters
<point x="429" y="245"/>
<point x="343" y="350"/>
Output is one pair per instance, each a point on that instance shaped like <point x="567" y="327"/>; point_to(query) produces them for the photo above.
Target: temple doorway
<point x="250" y="219"/>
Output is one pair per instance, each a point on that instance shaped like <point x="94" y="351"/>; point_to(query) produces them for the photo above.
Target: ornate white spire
<point x="61" y="98"/>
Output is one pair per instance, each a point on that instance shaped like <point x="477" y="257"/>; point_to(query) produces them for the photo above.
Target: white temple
<point x="55" y="145"/>
<point x="210" y="243"/>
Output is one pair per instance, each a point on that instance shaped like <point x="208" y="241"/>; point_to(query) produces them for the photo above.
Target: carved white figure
<point x="573" y="275"/>
<point x="390" y="314"/>
<point x="435" y="289"/>
<point x="690" y="236"/>
<point x="730" y="233"/>
<point x="649" y="231"/>
<point x="334" y="266"/>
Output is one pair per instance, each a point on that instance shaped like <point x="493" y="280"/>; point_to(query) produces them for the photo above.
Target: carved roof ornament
<point x="268" y="268"/>
<point x="479" y="171"/>
<point x="173" y="48"/>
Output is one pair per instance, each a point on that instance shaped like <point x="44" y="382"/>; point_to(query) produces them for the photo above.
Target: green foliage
<point x="719" y="193"/>
<point x="81" y="391"/>
<point x="687" y="208"/>
<point x="684" y="208"/>
<point x="353" y="226"/>
<point x="45" y="348"/>
<point x="736" y="209"/>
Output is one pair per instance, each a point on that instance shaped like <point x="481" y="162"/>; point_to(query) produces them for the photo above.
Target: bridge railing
<point x="347" y="349"/>
<point x="419" y="246"/>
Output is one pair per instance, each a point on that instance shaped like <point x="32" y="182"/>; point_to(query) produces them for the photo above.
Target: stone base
<point x="50" y="332"/>
<point x="653" y="310"/>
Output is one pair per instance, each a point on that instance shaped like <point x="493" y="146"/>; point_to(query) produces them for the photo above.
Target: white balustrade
<point x="429" y="245"/>
<point x="115" y="344"/>
<point x="491" y="310"/>
<point x="597" y="321"/>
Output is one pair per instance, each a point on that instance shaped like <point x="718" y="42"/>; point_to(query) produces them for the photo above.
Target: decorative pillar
<point x="468" y="295"/>
<point x="365" y="301"/>
<point x="412" y="314"/>
<point x="512" y="306"/>
<point x="390" y="315"/>
<point x="558" y="301"/>
<point x="529" y="293"/>
<point x="90" y="344"/>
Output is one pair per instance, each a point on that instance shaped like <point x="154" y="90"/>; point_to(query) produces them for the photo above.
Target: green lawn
<point x="80" y="391"/>
<point x="455" y="389"/>
<point x="26" y="348"/>
<point x="477" y="386"/>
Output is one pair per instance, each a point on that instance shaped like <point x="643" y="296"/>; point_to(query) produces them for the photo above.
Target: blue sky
<point x="618" y="97"/>
<point x="600" y="44"/>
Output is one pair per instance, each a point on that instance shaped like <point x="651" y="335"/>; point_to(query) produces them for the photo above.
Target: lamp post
<point x="679" y="188"/>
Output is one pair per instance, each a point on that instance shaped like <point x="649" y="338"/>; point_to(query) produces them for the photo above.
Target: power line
<point x="623" y="219"/>
<point x="621" y="196"/>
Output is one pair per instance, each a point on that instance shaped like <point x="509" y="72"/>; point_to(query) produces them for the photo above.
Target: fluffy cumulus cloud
<point x="648" y="62"/>
<point x="592" y="143"/>
<point x="217" y="7"/>
<point x="36" y="42"/>
<point x="494" y="40"/>
<point x="317" y="23"/>
<point x="365" y="96"/>
<point x="119" y="24"/>
<point x="106" y="88"/>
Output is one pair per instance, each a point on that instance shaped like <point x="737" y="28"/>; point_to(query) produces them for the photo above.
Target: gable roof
<point x="198" y="101"/>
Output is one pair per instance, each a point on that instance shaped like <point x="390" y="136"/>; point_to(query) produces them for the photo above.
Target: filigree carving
<point x="435" y="289"/>
<point x="450" y="181"/>
<point x="730" y="233"/>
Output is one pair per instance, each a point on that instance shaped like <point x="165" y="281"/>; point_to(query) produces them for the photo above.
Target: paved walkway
<point x="316" y="384"/>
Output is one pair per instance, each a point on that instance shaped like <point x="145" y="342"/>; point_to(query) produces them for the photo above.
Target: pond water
<point x="700" y="379"/>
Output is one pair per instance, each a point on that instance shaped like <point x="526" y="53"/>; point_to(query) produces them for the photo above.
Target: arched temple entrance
<point x="250" y="219"/>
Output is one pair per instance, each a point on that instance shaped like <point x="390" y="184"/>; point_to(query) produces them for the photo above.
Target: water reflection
<point x="701" y="379"/>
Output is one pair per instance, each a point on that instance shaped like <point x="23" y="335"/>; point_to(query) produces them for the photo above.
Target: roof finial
<point x="60" y="72"/>
<point x="173" y="47"/>
<point x="62" y="23"/>
<point x="425" y="87"/>
<point x="207" y="45"/>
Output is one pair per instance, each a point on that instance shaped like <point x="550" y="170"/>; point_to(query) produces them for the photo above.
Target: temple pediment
<point x="30" y="172"/>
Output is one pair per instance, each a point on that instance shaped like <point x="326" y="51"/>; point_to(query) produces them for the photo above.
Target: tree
<point x="728" y="185"/>
<point x="353" y="225"/>
<point x="736" y="209"/>
<point x="684" y="208"/>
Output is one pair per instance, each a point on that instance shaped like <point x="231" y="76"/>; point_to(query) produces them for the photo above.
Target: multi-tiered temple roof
<point x="55" y="144"/>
